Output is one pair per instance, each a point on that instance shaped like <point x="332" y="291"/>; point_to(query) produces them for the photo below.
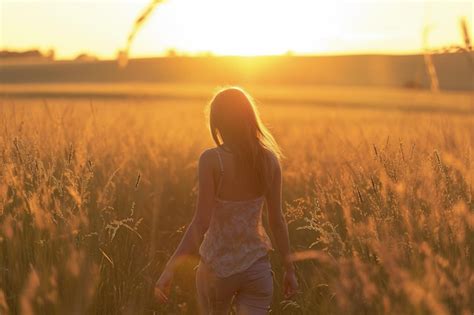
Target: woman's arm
<point x="193" y="236"/>
<point x="279" y="228"/>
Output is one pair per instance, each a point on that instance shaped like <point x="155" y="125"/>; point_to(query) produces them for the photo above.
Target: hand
<point x="290" y="284"/>
<point x="163" y="286"/>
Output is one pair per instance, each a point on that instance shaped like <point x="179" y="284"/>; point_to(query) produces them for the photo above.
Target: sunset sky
<point x="231" y="27"/>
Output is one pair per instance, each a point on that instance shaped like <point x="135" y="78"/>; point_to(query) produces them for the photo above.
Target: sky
<point x="231" y="27"/>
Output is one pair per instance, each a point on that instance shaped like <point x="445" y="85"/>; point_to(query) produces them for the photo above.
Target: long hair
<point x="234" y="119"/>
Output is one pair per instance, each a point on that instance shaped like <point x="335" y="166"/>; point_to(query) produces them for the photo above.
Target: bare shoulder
<point x="207" y="158"/>
<point x="274" y="165"/>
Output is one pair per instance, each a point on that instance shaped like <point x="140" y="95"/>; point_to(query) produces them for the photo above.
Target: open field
<point x="95" y="193"/>
<point x="352" y="97"/>
<point x="454" y="71"/>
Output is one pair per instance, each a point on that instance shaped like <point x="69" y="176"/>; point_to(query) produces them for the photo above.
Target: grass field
<point x="95" y="194"/>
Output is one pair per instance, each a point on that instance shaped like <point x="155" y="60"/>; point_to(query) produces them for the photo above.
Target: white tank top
<point x="236" y="237"/>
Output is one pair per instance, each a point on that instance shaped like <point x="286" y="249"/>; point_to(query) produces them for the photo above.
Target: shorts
<point x="251" y="290"/>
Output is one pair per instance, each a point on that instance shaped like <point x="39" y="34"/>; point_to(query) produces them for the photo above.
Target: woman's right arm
<point x="193" y="236"/>
<point x="279" y="228"/>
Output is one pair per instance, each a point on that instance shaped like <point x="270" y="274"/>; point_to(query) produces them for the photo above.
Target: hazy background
<point x="242" y="27"/>
<point x="102" y="122"/>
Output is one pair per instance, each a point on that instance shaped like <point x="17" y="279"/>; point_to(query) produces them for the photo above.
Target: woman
<point x="235" y="179"/>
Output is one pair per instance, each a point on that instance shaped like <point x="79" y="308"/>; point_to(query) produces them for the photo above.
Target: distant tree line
<point x="30" y="54"/>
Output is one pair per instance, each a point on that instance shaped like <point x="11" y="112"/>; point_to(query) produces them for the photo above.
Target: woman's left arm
<point x="193" y="236"/>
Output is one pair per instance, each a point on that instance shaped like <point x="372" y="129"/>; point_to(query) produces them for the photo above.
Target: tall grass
<point x="95" y="195"/>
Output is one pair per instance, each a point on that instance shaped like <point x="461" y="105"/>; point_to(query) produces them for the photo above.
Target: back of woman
<point x="235" y="179"/>
<point x="235" y="184"/>
<point x="238" y="212"/>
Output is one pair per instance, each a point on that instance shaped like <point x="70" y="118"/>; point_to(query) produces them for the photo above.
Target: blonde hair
<point x="234" y="119"/>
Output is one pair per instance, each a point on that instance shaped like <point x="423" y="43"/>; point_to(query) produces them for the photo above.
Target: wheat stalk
<point x="122" y="56"/>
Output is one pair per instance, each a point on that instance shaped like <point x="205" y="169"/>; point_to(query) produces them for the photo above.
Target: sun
<point x="243" y="27"/>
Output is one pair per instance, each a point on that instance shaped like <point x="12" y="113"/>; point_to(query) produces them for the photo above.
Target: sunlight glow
<point x="231" y="27"/>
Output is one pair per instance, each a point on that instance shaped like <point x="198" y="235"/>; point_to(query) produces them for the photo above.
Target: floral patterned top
<point x="236" y="237"/>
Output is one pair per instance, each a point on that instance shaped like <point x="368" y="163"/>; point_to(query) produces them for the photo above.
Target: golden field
<point x="95" y="194"/>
